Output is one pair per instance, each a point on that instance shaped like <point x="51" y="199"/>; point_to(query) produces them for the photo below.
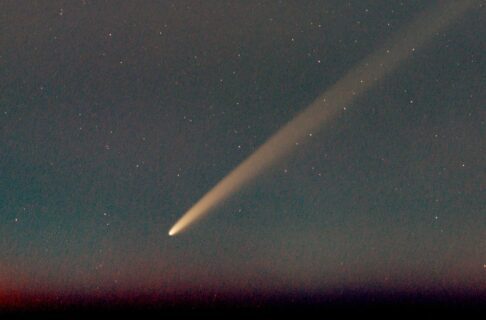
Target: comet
<point x="330" y="104"/>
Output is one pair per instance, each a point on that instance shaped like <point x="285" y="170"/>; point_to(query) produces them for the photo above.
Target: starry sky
<point x="117" y="116"/>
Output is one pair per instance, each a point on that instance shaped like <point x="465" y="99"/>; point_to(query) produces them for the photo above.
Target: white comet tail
<point x="328" y="105"/>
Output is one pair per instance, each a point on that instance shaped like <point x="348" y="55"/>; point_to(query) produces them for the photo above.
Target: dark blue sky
<point x="116" y="117"/>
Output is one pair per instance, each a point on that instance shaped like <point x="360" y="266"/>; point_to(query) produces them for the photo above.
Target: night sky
<point x="117" y="116"/>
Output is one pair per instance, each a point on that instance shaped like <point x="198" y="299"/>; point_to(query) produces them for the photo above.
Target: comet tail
<point x="328" y="105"/>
